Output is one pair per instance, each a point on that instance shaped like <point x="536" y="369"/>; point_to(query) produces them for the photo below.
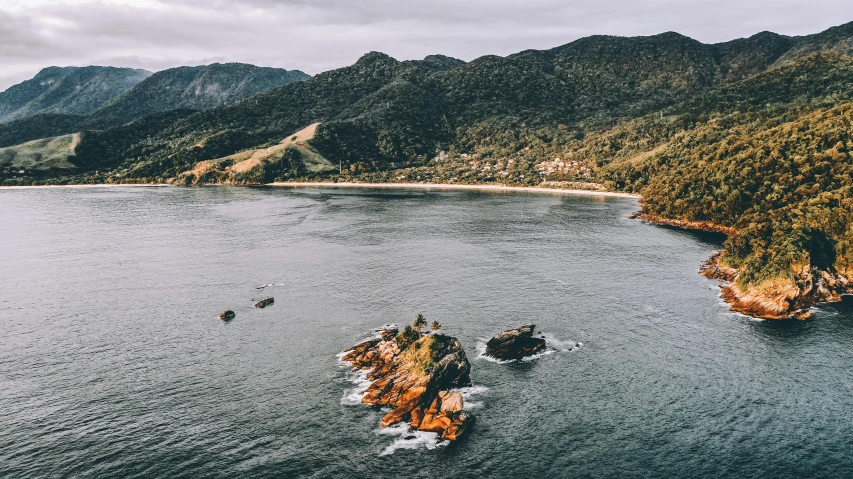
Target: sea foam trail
<point x="469" y="393"/>
<point x="270" y="285"/>
<point x="353" y="396"/>
<point x="409" y="439"/>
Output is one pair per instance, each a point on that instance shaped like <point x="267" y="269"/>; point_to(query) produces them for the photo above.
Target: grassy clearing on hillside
<point x="45" y="154"/>
<point x="293" y="157"/>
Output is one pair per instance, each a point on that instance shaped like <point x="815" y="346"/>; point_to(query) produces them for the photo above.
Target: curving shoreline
<point x="332" y="184"/>
<point x="449" y="186"/>
<point x="703" y="226"/>
<point x="795" y="300"/>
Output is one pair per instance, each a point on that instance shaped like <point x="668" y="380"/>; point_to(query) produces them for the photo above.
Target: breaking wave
<point x="410" y="439"/>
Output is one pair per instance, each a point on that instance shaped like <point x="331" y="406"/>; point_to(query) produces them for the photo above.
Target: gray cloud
<point x="318" y="35"/>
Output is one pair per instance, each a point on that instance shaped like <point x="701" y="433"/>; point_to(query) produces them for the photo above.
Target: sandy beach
<point x="439" y="186"/>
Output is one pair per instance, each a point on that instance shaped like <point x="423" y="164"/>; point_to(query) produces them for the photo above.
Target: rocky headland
<point x="778" y="300"/>
<point x="773" y="299"/>
<point x="415" y="374"/>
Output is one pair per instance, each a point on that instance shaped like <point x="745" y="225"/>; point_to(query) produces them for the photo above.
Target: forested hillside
<point x="768" y="159"/>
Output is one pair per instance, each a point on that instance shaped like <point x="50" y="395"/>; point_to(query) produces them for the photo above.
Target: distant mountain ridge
<point x="195" y="88"/>
<point x="181" y="88"/>
<point x="67" y="90"/>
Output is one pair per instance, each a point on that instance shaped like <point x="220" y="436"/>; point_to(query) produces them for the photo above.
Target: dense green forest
<point x="752" y="135"/>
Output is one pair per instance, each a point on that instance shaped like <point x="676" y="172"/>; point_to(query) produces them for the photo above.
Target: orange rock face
<point x="811" y="286"/>
<point x="416" y="380"/>
<point x="774" y="301"/>
<point x="444" y="415"/>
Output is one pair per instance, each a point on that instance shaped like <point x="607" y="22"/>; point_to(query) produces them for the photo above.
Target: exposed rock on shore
<point x="779" y="300"/>
<point x="414" y="373"/>
<point x="773" y="300"/>
<point x="515" y="343"/>
<point x="688" y="225"/>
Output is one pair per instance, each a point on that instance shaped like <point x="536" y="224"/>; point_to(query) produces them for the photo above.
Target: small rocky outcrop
<point x="515" y="344"/>
<point x="227" y="315"/>
<point x="264" y="303"/>
<point x="414" y="373"/>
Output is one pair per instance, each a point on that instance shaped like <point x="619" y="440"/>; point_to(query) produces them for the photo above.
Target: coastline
<point x="779" y="302"/>
<point x="776" y="304"/>
<point x="331" y="184"/>
<point x="703" y="226"/>
<point x="98" y="185"/>
<point x="447" y="186"/>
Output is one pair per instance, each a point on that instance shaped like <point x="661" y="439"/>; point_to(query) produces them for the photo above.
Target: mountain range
<point x="69" y="90"/>
<point x="65" y="100"/>
<point x="750" y="137"/>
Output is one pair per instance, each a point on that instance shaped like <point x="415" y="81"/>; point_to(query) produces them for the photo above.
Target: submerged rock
<point x="413" y="373"/>
<point x="264" y="303"/>
<point x="227" y="315"/>
<point x="515" y="343"/>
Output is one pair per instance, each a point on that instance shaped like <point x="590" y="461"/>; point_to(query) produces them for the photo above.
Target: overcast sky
<point x="318" y="35"/>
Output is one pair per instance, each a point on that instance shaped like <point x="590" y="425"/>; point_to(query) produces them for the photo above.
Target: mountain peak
<point x="67" y="90"/>
<point x="196" y="87"/>
<point x="52" y="70"/>
<point x="441" y="62"/>
<point x="376" y="58"/>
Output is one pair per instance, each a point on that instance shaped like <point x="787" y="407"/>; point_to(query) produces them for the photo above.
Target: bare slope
<point x="41" y="154"/>
<point x="292" y="155"/>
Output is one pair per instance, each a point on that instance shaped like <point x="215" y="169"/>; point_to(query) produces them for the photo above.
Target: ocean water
<point x="113" y="362"/>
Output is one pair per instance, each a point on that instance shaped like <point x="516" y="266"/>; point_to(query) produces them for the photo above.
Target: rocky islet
<point x="415" y="373"/>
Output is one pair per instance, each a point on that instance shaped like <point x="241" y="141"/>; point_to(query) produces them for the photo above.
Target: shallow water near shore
<point x="113" y="362"/>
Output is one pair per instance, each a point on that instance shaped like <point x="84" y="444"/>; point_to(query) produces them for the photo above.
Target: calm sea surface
<point x="113" y="362"/>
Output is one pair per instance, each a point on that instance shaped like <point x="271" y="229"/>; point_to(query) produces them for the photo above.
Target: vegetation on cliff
<point x="768" y="160"/>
